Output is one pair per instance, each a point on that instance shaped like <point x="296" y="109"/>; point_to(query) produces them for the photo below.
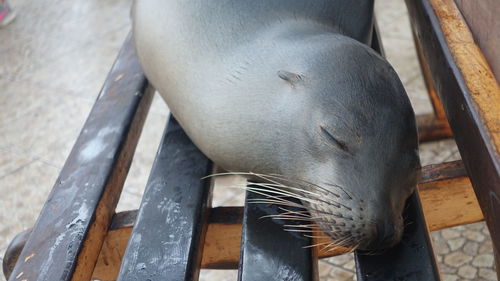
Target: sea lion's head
<point x="359" y="148"/>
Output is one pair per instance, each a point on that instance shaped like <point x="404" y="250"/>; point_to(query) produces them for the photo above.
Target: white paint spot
<point x="96" y="146"/>
<point x="45" y="265"/>
<point x="82" y="214"/>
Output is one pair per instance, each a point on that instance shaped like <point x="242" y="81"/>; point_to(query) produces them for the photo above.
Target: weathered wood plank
<point x="482" y="19"/>
<point x="167" y="239"/>
<point x="376" y="39"/>
<point x="443" y="189"/>
<point x="68" y="235"/>
<point x="413" y="259"/>
<point x="429" y="83"/>
<point x="448" y="213"/>
<point x="222" y="243"/>
<point x="268" y="252"/>
<point x="431" y="128"/>
<point x="470" y="95"/>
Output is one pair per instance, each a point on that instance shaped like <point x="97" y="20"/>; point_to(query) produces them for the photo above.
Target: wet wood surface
<point x="443" y="189"/>
<point x="268" y="252"/>
<point x="67" y="237"/>
<point x="412" y="259"/>
<point x="470" y="96"/>
<point x="167" y="239"/>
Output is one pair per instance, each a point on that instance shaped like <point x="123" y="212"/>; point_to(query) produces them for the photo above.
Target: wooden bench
<point x="176" y="232"/>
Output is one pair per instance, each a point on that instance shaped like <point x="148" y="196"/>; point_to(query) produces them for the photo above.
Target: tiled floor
<point x="53" y="60"/>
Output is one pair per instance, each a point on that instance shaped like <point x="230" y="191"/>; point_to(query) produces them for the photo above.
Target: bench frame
<point x="78" y="237"/>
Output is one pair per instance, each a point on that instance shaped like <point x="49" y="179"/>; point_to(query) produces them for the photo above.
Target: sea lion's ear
<point x="290" y="77"/>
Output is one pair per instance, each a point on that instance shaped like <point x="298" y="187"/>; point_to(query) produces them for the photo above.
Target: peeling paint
<point x="45" y="266"/>
<point x="83" y="213"/>
<point x="97" y="145"/>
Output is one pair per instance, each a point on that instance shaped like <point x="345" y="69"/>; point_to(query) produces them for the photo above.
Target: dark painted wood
<point x="411" y="260"/>
<point x="431" y="128"/>
<point x="480" y="158"/>
<point x="166" y="241"/>
<point x="447" y="170"/>
<point x="376" y="39"/>
<point x="83" y="199"/>
<point x="226" y="215"/>
<point x="268" y="252"/>
<point x="13" y="251"/>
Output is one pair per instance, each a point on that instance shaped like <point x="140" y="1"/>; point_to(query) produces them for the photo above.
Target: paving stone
<point x="485" y="260"/>
<point x="474" y="235"/>
<point x="341" y="274"/>
<point x="456" y="243"/>
<point x="450" y="233"/>
<point x="485" y="230"/>
<point x="340" y="260"/>
<point x="440" y="245"/>
<point x="444" y="268"/>
<point x="351" y="265"/>
<point x="486" y="247"/>
<point x="471" y="248"/>
<point x="457" y="259"/>
<point x="476" y="226"/>
<point x="449" y="277"/>
<point x="467" y="272"/>
<point x="488" y="274"/>
<point x="324" y="269"/>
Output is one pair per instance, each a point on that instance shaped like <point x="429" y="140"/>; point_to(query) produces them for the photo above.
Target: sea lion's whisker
<point x="311" y="226"/>
<point x="342" y="240"/>
<point x="299" y="190"/>
<point x="285" y="218"/>
<point x="329" y="246"/>
<point x="270" y="177"/>
<point x="301" y="230"/>
<point x="350" y="196"/>
<point x="305" y="215"/>
<point x="316" y="236"/>
<point x="281" y="177"/>
<point x="278" y="188"/>
<point x="316" y="199"/>
<point x="276" y="200"/>
<point x="281" y="192"/>
<point x="273" y="203"/>
<point x="285" y="215"/>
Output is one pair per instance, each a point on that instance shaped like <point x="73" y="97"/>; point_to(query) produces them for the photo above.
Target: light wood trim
<point x="482" y="19"/>
<point x="477" y="74"/>
<point x="452" y="206"/>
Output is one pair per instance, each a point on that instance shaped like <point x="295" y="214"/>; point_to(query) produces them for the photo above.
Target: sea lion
<point x="288" y="92"/>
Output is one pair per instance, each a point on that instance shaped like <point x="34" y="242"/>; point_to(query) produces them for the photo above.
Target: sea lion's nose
<point x="385" y="232"/>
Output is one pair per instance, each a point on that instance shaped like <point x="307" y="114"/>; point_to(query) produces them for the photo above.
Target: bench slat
<point x="166" y="241"/>
<point x="268" y="252"/>
<point x="412" y="259"/>
<point x="445" y="191"/>
<point x="68" y="235"/>
<point x="470" y="95"/>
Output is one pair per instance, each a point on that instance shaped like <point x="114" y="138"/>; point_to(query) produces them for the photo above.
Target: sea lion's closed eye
<point x="333" y="140"/>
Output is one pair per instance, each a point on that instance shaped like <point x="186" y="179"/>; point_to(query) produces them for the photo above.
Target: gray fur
<point x="287" y="87"/>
